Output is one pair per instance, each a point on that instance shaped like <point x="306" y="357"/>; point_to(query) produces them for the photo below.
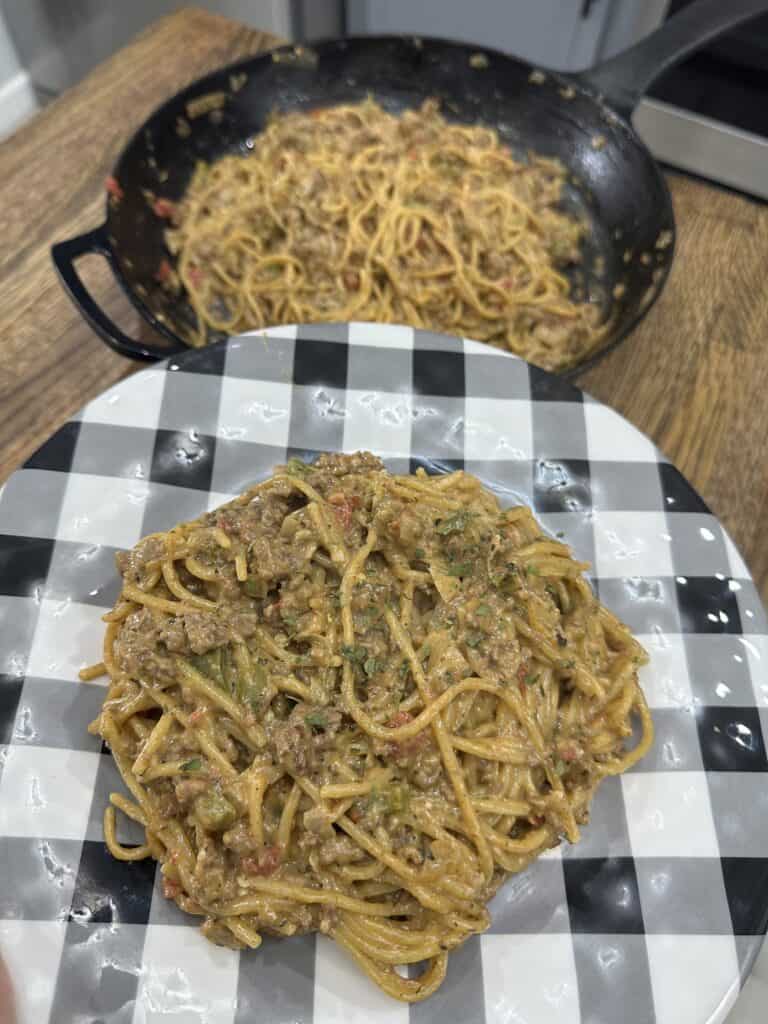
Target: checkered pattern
<point x="655" y="917"/>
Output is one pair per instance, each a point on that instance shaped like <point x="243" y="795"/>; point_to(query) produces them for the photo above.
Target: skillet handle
<point x="64" y="255"/>
<point x="623" y="80"/>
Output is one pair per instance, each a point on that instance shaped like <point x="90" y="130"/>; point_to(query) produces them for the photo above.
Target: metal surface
<point x="704" y="146"/>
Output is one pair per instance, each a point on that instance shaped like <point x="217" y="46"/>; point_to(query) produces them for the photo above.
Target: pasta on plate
<point x="356" y="703"/>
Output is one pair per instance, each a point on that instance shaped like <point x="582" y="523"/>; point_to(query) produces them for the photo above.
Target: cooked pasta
<point x="407" y="695"/>
<point x="353" y="213"/>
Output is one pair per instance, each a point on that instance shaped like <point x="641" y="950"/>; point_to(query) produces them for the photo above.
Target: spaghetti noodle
<point x="410" y="695"/>
<point x="352" y="213"/>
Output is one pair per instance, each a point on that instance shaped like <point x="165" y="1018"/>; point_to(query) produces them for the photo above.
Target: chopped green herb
<point x="561" y="767"/>
<point x="192" y="766"/>
<point x="289" y="619"/>
<point x="530" y="678"/>
<point x="316" y="719"/>
<point x="425" y="652"/>
<point x="355" y="653"/>
<point x="253" y="587"/>
<point x="559" y="534"/>
<point x="483" y="609"/>
<point x="455" y="523"/>
<point x="570" y="663"/>
<point x="404" y="669"/>
<point x="370" y="570"/>
<point x="420" y="553"/>
<point x="373" y="665"/>
<point x="474" y="638"/>
<point x="295" y="467"/>
<point x="532" y="570"/>
<point x="459" y="569"/>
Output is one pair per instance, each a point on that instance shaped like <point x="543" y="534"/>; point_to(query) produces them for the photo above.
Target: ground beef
<point x="293" y="751"/>
<point x="137" y="652"/>
<point x="171" y="632"/>
<point x="133" y="564"/>
<point x="205" y="631"/>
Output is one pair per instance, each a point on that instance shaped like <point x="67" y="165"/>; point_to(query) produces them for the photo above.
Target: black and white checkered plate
<point x="656" y="915"/>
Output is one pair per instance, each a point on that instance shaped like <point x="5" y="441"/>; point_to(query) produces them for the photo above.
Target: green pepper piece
<point x="251" y="690"/>
<point x="214" y="811"/>
<point x="210" y="665"/>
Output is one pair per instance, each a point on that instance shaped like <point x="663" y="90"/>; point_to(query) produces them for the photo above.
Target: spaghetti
<point x="410" y="695"/>
<point x="353" y="213"/>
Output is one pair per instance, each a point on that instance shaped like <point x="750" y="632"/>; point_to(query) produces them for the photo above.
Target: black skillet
<point x="581" y="119"/>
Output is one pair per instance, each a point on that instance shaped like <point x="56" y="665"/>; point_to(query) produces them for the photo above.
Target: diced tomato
<point x="196" y="276"/>
<point x="112" y="185"/>
<point x="401" y="718"/>
<point x="407" y="748"/>
<point x="344" y="505"/>
<point x="522" y="674"/>
<point x="196" y="715"/>
<point x="171" y="889"/>
<point x="568" y="753"/>
<point x="164" y="208"/>
<point x="265" y="863"/>
<point x="163" y="272"/>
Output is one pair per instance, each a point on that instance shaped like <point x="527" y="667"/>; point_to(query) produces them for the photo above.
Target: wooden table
<point x="694" y="376"/>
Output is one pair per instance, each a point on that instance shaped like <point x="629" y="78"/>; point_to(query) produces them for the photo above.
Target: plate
<point x="657" y="915"/>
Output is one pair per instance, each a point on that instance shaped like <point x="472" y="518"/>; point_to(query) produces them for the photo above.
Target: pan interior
<point x="613" y="184"/>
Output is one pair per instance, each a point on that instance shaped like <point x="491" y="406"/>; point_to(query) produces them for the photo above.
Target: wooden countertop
<point x="694" y="376"/>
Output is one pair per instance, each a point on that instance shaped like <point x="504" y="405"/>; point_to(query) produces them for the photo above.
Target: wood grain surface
<point x="693" y="376"/>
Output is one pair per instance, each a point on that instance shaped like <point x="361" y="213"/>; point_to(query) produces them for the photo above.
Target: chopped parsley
<point x="404" y="669"/>
<point x="483" y="609"/>
<point x="355" y="653"/>
<point x="192" y="766"/>
<point x="420" y="554"/>
<point x="373" y="665"/>
<point x="295" y="467"/>
<point x="474" y="638"/>
<point x="455" y="523"/>
<point x="531" y="678"/>
<point x="459" y="569"/>
<point x="532" y="570"/>
<point x="316" y="719"/>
